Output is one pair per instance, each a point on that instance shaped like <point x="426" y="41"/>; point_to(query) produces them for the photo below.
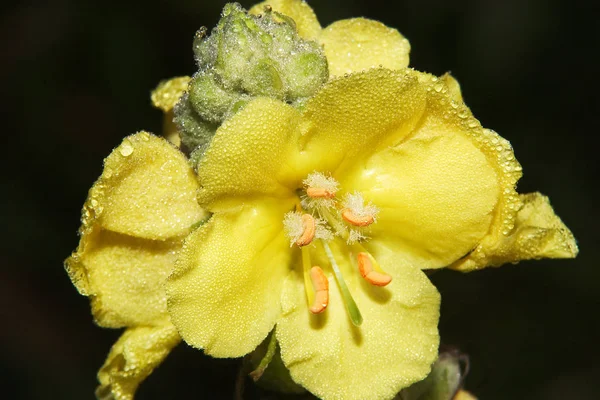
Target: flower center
<point x="321" y="215"/>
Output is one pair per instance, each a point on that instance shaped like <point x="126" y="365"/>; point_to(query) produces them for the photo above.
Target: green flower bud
<point x="264" y="79"/>
<point x="238" y="42"/>
<point x="209" y="99"/>
<point x="195" y="130"/>
<point x="305" y="72"/>
<point x="247" y="56"/>
<point x="204" y="47"/>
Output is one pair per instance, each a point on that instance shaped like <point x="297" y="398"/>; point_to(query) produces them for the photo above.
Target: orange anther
<point x="365" y="267"/>
<point x="357" y="220"/>
<point x="310" y="227"/>
<point x="321" y="286"/>
<point x="319" y="193"/>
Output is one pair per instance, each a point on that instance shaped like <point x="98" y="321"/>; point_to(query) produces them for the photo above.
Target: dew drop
<point x="126" y="149"/>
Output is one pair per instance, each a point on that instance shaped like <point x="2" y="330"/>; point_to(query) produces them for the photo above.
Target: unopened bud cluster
<point x="246" y="56"/>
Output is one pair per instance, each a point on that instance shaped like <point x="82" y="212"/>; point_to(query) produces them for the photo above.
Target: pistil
<point x="351" y="307"/>
<point x="335" y="223"/>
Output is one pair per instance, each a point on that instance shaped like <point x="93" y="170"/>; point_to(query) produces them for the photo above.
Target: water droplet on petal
<point x="126" y="149"/>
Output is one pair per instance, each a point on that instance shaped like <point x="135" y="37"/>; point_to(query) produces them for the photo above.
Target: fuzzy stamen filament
<point x="335" y="223"/>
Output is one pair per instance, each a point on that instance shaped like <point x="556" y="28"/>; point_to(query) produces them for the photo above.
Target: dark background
<point x="76" y="78"/>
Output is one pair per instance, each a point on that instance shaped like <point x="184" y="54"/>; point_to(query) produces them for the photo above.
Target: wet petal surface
<point x="224" y="296"/>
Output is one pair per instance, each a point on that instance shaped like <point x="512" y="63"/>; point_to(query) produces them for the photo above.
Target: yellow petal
<point x="538" y="233"/>
<point x="393" y="348"/>
<point x="132" y="358"/>
<point x="453" y="87"/>
<point x="164" y="97"/>
<point x="306" y="21"/>
<point x="123" y="276"/>
<point x="224" y="296"/>
<point x="498" y="151"/>
<point x="269" y="147"/>
<point x="147" y="190"/>
<point x="353" y="45"/>
<point x="168" y="92"/>
<point x="443" y="189"/>
<point x="353" y="116"/>
<point x="436" y="193"/>
<point x="251" y="154"/>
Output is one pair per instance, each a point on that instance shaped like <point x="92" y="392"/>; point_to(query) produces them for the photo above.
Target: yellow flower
<point x="324" y="218"/>
<point x="133" y="224"/>
<point x="383" y="171"/>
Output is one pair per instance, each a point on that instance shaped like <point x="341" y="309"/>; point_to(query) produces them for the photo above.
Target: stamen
<point x="319" y="193"/>
<point x="367" y="266"/>
<point x="321" y="288"/>
<point x="323" y="231"/>
<point x="335" y="223"/>
<point x="310" y="227"/>
<point x="356" y="236"/>
<point x="351" y="307"/>
<point x="300" y="228"/>
<point x="357" y="220"/>
<point x="322" y="186"/>
<point x="355" y="211"/>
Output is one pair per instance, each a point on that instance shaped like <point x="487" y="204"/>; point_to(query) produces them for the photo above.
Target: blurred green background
<point x="76" y="78"/>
